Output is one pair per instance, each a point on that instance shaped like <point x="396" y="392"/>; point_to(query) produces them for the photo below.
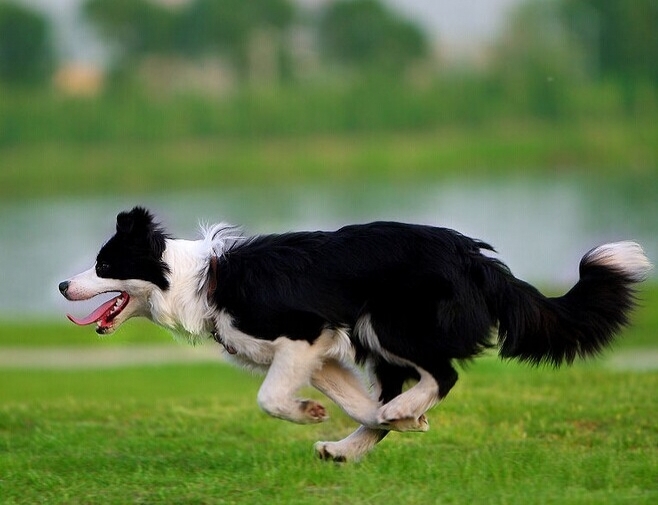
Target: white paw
<point x="409" y="424"/>
<point x="395" y="417"/>
<point x="329" y="451"/>
<point x="394" y="411"/>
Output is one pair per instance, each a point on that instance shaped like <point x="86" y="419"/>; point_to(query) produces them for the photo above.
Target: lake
<point x="540" y="228"/>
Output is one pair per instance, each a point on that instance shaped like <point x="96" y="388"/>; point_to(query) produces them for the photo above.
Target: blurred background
<point x="530" y="124"/>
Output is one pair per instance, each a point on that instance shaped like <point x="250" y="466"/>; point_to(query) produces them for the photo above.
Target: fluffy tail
<point x="536" y="329"/>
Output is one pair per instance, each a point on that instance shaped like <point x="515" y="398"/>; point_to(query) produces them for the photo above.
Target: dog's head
<point x="129" y="264"/>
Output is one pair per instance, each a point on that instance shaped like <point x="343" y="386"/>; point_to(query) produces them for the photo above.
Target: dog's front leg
<point x="343" y="385"/>
<point x="292" y="366"/>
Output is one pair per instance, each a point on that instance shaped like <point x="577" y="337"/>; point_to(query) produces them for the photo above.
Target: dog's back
<point x="407" y="276"/>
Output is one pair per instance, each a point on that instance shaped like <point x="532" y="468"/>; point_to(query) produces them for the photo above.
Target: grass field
<point x="193" y="434"/>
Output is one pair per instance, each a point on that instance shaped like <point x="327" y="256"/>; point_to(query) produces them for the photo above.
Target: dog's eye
<point x="102" y="267"/>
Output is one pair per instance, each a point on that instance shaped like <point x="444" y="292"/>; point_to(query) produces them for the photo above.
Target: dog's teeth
<point x="117" y="305"/>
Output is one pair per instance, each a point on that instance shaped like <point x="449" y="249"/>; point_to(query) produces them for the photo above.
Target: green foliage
<point x="363" y="33"/>
<point x="129" y="114"/>
<point x="164" y="161"/>
<point x="554" y="55"/>
<point x="25" y="51"/>
<point x="536" y="65"/>
<point x="620" y="38"/>
<point x="228" y="25"/>
<point x="138" y="26"/>
<point x="201" y="27"/>
<point x="621" y="35"/>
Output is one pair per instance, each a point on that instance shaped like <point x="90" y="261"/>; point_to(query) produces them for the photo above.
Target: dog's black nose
<point x="63" y="287"/>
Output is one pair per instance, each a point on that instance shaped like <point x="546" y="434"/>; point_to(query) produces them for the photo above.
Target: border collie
<point x="404" y="301"/>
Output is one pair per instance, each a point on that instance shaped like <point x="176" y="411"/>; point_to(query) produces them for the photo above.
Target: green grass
<point x="621" y="150"/>
<point x="193" y="434"/>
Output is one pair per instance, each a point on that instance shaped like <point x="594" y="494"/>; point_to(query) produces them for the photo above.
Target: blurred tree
<point x="200" y="27"/>
<point x="621" y="38"/>
<point x="138" y="26"/>
<point x="228" y="26"/>
<point x="363" y="33"/>
<point x="622" y="35"/>
<point x="25" y="47"/>
<point x="536" y="64"/>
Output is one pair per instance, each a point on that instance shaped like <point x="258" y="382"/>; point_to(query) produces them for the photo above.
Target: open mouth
<point x="104" y="315"/>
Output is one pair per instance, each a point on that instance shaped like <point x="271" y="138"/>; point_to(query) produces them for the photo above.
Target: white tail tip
<point x="626" y="257"/>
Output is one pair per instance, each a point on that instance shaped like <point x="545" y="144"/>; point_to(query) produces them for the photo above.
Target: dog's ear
<point x="124" y="223"/>
<point x="136" y="219"/>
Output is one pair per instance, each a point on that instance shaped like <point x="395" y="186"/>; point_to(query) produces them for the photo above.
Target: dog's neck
<point x="186" y="308"/>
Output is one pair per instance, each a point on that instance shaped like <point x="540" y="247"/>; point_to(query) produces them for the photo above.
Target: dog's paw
<point x="393" y="418"/>
<point x="313" y="411"/>
<point x="329" y="451"/>
<point x="408" y="424"/>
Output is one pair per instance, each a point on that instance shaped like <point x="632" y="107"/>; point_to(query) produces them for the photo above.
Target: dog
<point x="401" y="302"/>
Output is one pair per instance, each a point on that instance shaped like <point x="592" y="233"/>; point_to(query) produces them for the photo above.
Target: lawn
<point x="194" y="434"/>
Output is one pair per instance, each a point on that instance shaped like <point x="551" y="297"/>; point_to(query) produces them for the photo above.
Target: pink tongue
<point x="94" y="316"/>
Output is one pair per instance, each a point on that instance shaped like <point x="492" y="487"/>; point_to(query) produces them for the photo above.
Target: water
<point x="540" y="228"/>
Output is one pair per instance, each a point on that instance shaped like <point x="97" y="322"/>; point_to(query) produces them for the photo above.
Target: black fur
<point x="431" y="295"/>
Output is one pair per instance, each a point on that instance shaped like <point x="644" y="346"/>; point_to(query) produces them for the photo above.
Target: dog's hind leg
<point x="343" y="385"/>
<point x="406" y="411"/>
<point x="291" y="369"/>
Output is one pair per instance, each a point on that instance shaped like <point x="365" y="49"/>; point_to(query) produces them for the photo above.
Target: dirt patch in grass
<point x="639" y="360"/>
<point x="91" y="358"/>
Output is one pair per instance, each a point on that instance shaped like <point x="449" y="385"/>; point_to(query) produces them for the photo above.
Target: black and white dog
<point x="406" y="301"/>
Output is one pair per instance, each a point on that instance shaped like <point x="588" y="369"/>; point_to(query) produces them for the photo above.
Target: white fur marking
<point x="183" y="308"/>
<point x="219" y="238"/>
<point x="625" y="257"/>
